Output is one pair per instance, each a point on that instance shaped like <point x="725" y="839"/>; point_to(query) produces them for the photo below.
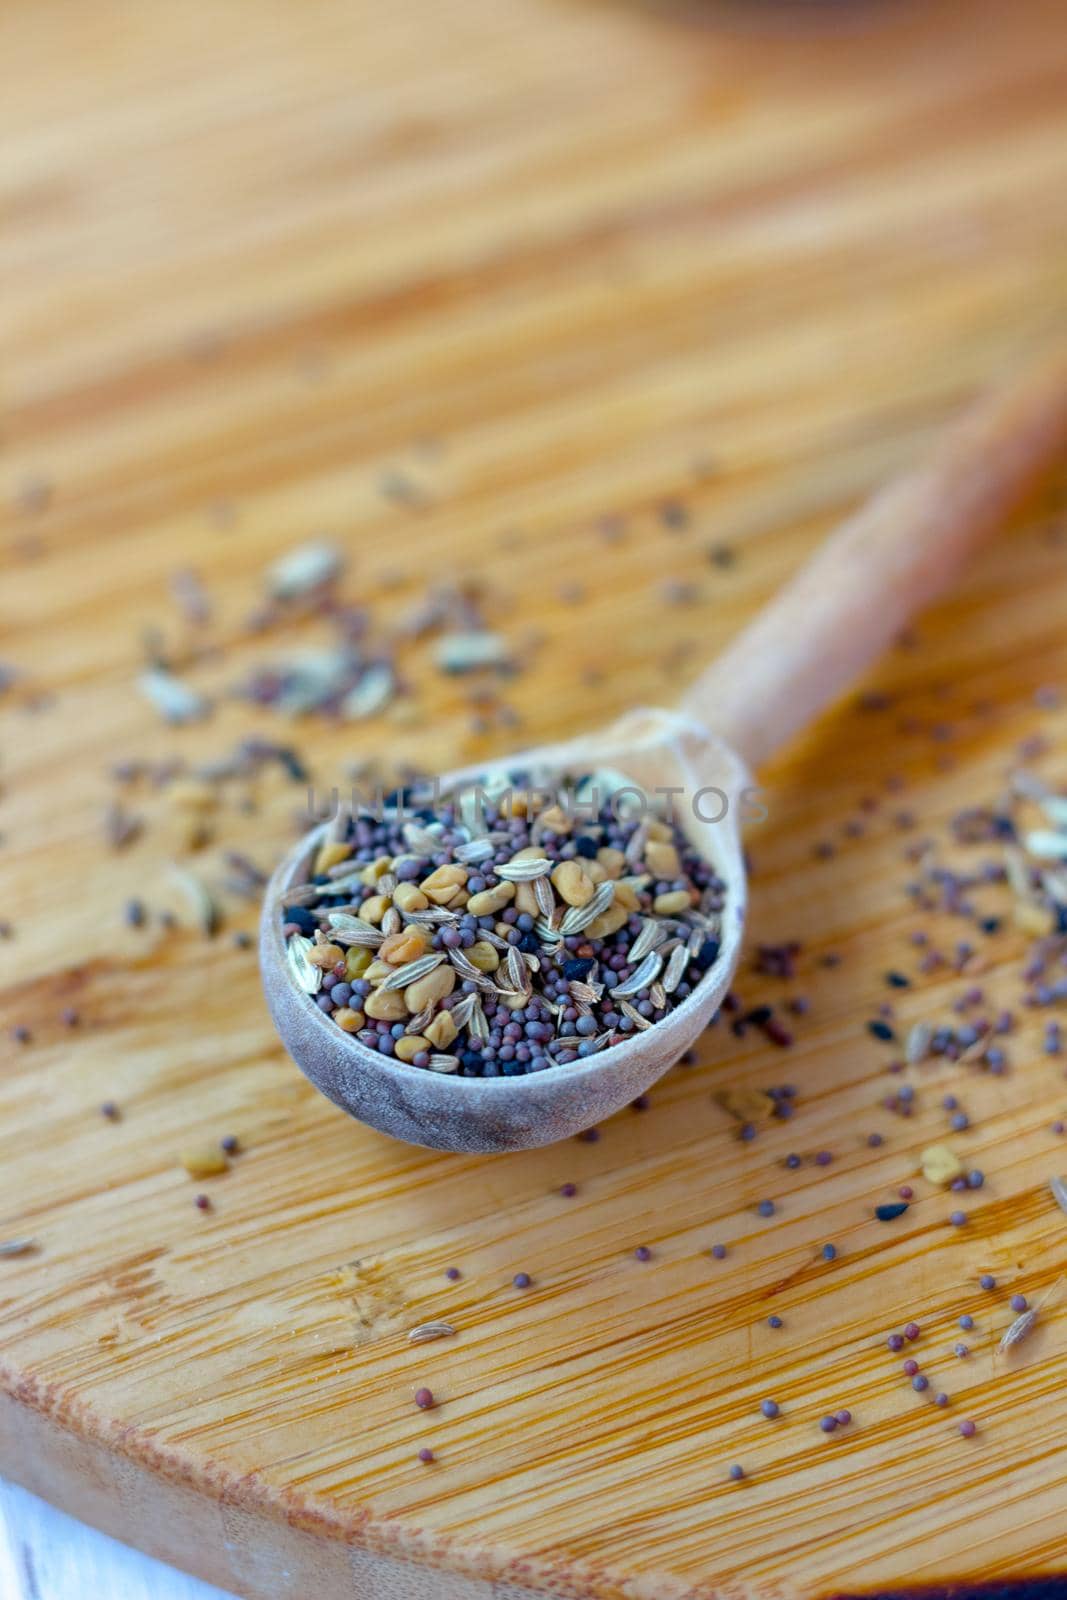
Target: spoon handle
<point x="901" y="549"/>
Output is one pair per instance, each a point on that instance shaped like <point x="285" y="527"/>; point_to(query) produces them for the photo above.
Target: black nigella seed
<point x="890" y="1211"/>
<point x="992" y="925"/>
<point x="301" y="918"/>
<point x="880" y="1030"/>
<point x="292" y="764"/>
<point x="897" y="980"/>
<point x="530" y="944"/>
<point x="578" y="970"/>
<point x="1061" y="919"/>
<point x="586" y="847"/>
<point x="707" y="955"/>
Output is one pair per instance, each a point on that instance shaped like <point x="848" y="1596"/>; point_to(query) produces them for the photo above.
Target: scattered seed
<point x="305" y="571"/>
<point x="940" y="1164"/>
<point x="175" y="701"/>
<point x="472" y="651"/>
<point x="121" y="827"/>
<point x="205" y="908"/>
<point x="1019" y="1330"/>
<point x="426" y="1332"/>
<point x="204" y="1161"/>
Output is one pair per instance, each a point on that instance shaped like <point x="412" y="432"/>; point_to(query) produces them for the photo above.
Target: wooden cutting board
<point x="453" y="283"/>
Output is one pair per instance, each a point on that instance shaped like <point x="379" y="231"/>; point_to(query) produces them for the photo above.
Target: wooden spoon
<point x="828" y="624"/>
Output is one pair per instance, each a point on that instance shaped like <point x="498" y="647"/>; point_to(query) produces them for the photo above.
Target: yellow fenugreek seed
<point x="400" y="948"/>
<point x="490" y="901"/>
<point x="325" y="956"/>
<point x="374" y="908"/>
<point x="555" y="820"/>
<point x="437" y="985"/>
<point x="572" y="884"/>
<point x="609" y="922"/>
<point x="204" y="1161"/>
<point x="626" y="896"/>
<point x="331" y="854"/>
<point x="348" y="1020"/>
<point x="662" y="859"/>
<point x="193" y="794"/>
<point x="407" y="1048"/>
<point x="525" y="901"/>
<point x="357" y="960"/>
<point x="747" y="1105"/>
<point x="409" y="897"/>
<point x="386" y="1005"/>
<point x="442" y="1030"/>
<point x="669" y="904"/>
<point x="483" y="956"/>
<point x="613" y="861"/>
<point x="940" y="1164"/>
<point x="451" y="876"/>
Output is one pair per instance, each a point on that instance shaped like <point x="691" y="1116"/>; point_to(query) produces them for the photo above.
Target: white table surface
<point x="45" y="1555"/>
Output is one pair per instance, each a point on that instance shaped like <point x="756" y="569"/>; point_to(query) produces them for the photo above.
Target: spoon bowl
<point x="653" y="749"/>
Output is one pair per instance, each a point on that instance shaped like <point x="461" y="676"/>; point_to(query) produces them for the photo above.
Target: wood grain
<point x="554" y="261"/>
